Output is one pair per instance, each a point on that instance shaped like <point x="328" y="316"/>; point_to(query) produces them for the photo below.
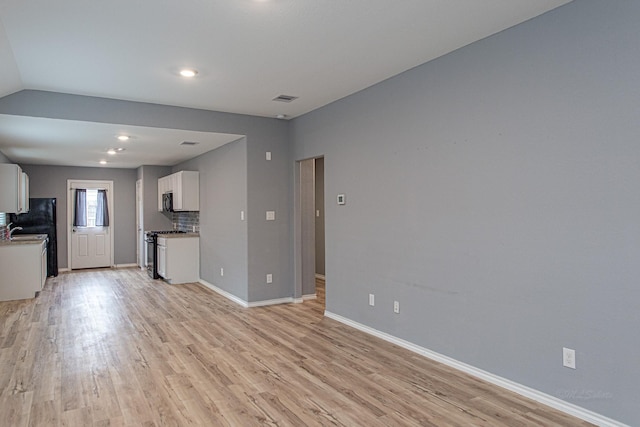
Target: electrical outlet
<point x="269" y="278"/>
<point x="271" y="215"/>
<point x="568" y="358"/>
<point x="372" y="299"/>
<point x="221" y="271"/>
<point x="268" y="155"/>
<point x="241" y="215"/>
<point x="396" y="307"/>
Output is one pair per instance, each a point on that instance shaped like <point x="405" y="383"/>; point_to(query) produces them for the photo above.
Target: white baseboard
<point x="242" y="302"/>
<point x="67" y="269"/>
<point x="522" y="390"/>
<point x="125" y="265"/>
<point x="224" y="293"/>
<point x="308" y="297"/>
<point x="287" y="300"/>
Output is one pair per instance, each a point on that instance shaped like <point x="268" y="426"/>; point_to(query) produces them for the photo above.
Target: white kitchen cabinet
<point x="185" y="186"/>
<point x="24" y="202"/>
<point x="162" y="256"/>
<point x="43" y="265"/>
<point x="24" y="269"/>
<point x="179" y="258"/>
<point x="186" y="191"/>
<point x="14" y="189"/>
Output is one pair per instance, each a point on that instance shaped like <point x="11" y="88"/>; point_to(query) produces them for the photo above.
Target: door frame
<point x="108" y="185"/>
<point x="141" y="257"/>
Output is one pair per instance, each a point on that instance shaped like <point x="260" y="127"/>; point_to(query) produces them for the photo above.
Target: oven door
<point x="150" y="239"/>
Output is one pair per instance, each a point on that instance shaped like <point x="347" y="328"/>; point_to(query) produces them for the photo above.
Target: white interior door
<point x="90" y="246"/>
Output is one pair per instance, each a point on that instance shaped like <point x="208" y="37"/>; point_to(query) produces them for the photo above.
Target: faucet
<point x="11" y="230"/>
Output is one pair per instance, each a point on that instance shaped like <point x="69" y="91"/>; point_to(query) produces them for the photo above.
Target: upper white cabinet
<point x="24" y="193"/>
<point x="185" y="186"/>
<point x="14" y="189"/>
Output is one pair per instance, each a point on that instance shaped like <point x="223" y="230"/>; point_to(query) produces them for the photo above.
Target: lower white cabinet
<point x="162" y="256"/>
<point x="179" y="258"/>
<point x="24" y="269"/>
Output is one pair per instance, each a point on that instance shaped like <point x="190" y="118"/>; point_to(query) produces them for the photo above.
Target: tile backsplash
<point x="186" y="221"/>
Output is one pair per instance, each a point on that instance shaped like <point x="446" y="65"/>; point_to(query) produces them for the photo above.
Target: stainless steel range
<point x="151" y="237"/>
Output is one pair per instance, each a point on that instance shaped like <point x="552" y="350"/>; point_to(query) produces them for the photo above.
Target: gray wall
<point x="269" y="183"/>
<point x="152" y="219"/>
<point x="223" y="195"/>
<point x="4" y="159"/>
<point x="494" y="193"/>
<point x="51" y="181"/>
<point x="270" y="188"/>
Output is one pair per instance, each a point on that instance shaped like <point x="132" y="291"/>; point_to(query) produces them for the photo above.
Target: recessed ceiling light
<point x="123" y="137"/>
<point x="103" y="162"/>
<point x="188" y="72"/>
<point x="111" y="151"/>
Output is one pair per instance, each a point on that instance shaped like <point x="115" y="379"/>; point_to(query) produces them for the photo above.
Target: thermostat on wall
<point x="341" y="199"/>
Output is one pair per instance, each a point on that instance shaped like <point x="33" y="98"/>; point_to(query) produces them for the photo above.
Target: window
<point x="91" y="208"/>
<point x="3" y="219"/>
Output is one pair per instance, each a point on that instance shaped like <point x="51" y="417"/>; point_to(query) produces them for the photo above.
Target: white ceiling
<point x="247" y="52"/>
<point x="85" y="144"/>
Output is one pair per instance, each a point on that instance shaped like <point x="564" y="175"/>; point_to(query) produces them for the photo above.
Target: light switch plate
<point x="268" y="155"/>
<point x="269" y="278"/>
<point x="568" y="358"/>
<point x="271" y="215"/>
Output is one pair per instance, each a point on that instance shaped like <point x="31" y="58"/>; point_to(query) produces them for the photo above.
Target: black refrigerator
<point x="41" y="219"/>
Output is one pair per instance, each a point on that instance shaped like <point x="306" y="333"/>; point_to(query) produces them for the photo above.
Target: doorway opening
<point x="310" y="259"/>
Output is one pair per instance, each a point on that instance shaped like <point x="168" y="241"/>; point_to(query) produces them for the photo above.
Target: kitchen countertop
<point x="178" y="235"/>
<point x="36" y="240"/>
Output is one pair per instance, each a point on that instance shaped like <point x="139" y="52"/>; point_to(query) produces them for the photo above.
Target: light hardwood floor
<point x="112" y="347"/>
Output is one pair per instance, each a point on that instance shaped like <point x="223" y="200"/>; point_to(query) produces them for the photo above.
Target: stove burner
<point x="155" y="233"/>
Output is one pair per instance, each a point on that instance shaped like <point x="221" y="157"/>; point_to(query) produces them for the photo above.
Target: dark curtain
<point x="80" y="215"/>
<point x="102" y="211"/>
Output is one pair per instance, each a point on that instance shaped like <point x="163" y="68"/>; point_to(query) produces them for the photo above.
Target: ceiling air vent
<point x="285" y="98"/>
<point x="189" y="143"/>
